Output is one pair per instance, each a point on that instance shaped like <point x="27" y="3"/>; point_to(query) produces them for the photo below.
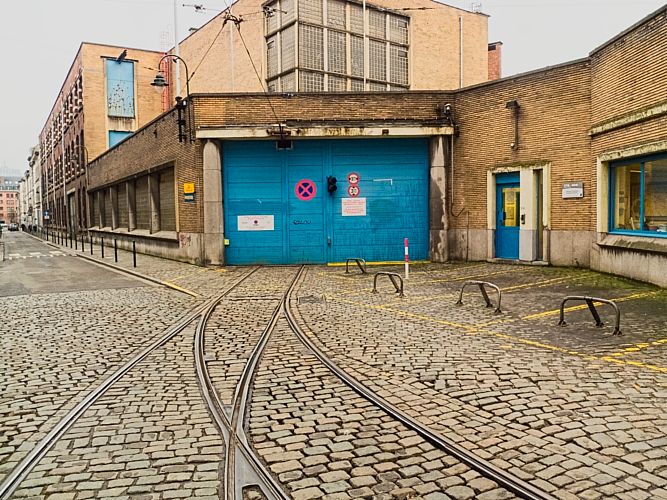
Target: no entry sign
<point x="305" y="190"/>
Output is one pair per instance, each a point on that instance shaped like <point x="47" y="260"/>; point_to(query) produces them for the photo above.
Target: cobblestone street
<point x="573" y="411"/>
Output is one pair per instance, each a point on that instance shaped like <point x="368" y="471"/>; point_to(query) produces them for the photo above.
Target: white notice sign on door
<point x="255" y="222"/>
<point x="353" y="207"/>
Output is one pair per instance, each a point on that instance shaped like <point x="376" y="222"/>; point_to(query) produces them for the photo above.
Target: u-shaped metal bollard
<point x="590" y="302"/>
<point x="392" y="277"/>
<point x="482" y="288"/>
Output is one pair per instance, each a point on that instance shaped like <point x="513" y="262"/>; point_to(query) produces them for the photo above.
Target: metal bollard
<point x="134" y="253"/>
<point x="90" y="241"/>
<point x="70" y="240"/>
<point x="102" y="246"/>
<point x="76" y="243"/>
<point x="115" y="250"/>
<point x="83" y="246"/>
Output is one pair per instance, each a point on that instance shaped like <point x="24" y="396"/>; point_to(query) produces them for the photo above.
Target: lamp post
<point x="160" y="82"/>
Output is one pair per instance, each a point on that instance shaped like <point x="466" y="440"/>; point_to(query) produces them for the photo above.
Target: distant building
<point x="9" y="200"/>
<point x="30" y="192"/>
<point x="105" y="97"/>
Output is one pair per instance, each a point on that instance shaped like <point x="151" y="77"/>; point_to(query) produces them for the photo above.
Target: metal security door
<point x="508" y="202"/>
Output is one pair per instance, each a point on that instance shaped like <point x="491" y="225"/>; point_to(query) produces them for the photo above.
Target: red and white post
<point x="407" y="259"/>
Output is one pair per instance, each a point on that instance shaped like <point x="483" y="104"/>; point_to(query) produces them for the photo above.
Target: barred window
<point x="356" y="18"/>
<point x="336" y="14"/>
<point x="398" y="64"/>
<point x="288" y="12"/>
<point x="311" y="82"/>
<point x="377" y="87"/>
<point x="311" y="49"/>
<point x="337" y="53"/>
<point x="310" y="11"/>
<point x="377" y="60"/>
<point x="288" y="48"/>
<point x="356" y="85"/>
<point x="337" y="84"/>
<point x="288" y="82"/>
<point x="357" y="55"/>
<point x="272" y="63"/>
<point x="377" y="24"/>
<point x="398" y="29"/>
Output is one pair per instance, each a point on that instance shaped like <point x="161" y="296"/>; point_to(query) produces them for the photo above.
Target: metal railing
<point x="482" y="288"/>
<point x="590" y="302"/>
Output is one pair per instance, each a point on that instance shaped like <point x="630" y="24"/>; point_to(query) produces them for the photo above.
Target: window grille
<point x="356" y="18"/>
<point x="311" y="48"/>
<point x="377" y="60"/>
<point x="288" y="51"/>
<point x="311" y="82"/>
<point x="288" y="13"/>
<point x="272" y="63"/>
<point x="398" y="64"/>
<point x="336" y="14"/>
<point x="337" y="53"/>
<point x="377" y="24"/>
<point x="357" y="55"/>
<point x="310" y="11"/>
<point x="288" y="82"/>
<point x="356" y="85"/>
<point x="337" y="84"/>
<point x="398" y="29"/>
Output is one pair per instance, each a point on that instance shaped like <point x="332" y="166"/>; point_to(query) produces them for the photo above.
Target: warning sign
<point x="353" y="191"/>
<point x="305" y="190"/>
<point x="353" y="207"/>
<point x="353" y="178"/>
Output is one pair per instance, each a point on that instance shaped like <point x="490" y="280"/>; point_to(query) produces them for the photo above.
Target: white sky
<point x="39" y="39"/>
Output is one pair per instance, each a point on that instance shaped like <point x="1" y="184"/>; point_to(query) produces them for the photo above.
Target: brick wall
<point x="553" y="128"/>
<point x="495" y="60"/>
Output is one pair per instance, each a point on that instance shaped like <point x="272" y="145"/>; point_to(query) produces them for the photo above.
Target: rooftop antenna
<point x="476" y="7"/>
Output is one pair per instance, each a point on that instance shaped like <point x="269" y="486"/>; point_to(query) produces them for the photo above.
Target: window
<point x="310" y="11"/>
<point x="357" y="55"/>
<point x="311" y="82"/>
<point x="378" y="60"/>
<point x="398" y="64"/>
<point x="116" y="136"/>
<point x="311" y="47"/>
<point x="356" y="18"/>
<point x="288" y="51"/>
<point x="272" y="62"/>
<point x="288" y="82"/>
<point x="337" y="59"/>
<point x="288" y="13"/>
<point x="639" y="196"/>
<point x="337" y="84"/>
<point x="336" y="14"/>
<point x="376" y="24"/>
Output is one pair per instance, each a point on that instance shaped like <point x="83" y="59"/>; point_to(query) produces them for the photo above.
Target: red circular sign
<point x="305" y="190"/>
<point x="353" y="178"/>
<point x="353" y="191"/>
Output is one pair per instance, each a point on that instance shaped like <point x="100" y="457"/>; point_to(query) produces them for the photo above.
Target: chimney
<point x="495" y="60"/>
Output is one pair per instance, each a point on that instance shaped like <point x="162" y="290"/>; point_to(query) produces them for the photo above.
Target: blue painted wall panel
<point x="120" y="88"/>
<point x="260" y="180"/>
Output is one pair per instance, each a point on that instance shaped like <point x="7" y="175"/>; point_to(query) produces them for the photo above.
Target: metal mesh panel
<point x="337" y="52"/>
<point x="272" y="63"/>
<point x="357" y="55"/>
<point x="398" y="29"/>
<point x="376" y="87"/>
<point x="288" y="82"/>
<point x="356" y="18"/>
<point x="377" y="24"/>
<point x="356" y="85"/>
<point x="288" y="12"/>
<point x="337" y="84"/>
<point x="287" y="47"/>
<point x="311" y="49"/>
<point x="377" y="52"/>
<point x="311" y="82"/>
<point x="398" y="64"/>
<point x="167" y="201"/>
<point x="143" y="206"/>
<point x="123" y="219"/>
<point x="336" y="14"/>
<point x="310" y="11"/>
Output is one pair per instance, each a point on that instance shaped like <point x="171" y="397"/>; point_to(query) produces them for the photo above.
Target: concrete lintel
<point x="334" y="131"/>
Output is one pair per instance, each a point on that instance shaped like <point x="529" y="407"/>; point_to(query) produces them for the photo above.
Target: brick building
<point x="9" y="200"/>
<point x="338" y="45"/>
<point x="106" y="96"/>
<point x="565" y="165"/>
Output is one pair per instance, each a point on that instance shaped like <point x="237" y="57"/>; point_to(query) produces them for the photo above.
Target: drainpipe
<point x="460" y="51"/>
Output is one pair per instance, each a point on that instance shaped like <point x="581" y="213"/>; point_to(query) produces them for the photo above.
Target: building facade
<point x="106" y="96"/>
<point x="30" y="193"/>
<point x="337" y="45"/>
<point x="566" y="165"/>
<point x="9" y="200"/>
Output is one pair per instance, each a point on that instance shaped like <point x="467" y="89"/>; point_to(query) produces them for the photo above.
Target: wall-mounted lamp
<point x="514" y="106"/>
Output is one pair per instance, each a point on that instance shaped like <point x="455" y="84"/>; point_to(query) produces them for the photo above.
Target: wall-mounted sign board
<point x="573" y="190"/>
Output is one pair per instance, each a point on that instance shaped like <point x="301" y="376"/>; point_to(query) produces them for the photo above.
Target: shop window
<point x="638" y="201"/>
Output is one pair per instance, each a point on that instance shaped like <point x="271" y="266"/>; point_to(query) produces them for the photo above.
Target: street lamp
<point x="160" y="82"/>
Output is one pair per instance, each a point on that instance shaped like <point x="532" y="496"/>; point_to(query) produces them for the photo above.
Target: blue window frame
<point x="638" y="196"/>
<point x="115" y="136"/>
<point x="120" y="88"/>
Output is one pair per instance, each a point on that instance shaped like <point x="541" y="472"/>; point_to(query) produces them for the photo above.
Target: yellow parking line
<point x="180" y="289"/>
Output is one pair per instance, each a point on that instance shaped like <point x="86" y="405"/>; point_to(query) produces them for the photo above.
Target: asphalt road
<point x="32" y="266"/>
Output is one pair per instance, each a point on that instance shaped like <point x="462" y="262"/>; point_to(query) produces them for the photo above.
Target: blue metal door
<point x="278" y="210"/>
<point x="508" y="202"/>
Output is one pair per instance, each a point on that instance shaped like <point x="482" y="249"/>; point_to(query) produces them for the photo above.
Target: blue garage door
<point x="278" y="210"/>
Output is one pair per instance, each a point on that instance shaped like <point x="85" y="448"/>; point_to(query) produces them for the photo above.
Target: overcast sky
<point x="39" y="39"/>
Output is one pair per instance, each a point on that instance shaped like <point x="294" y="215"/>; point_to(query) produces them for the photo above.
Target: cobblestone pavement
<point x="322" y="440"/>
<point x="574" y="410"/>
<point x="150" y="436"/>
